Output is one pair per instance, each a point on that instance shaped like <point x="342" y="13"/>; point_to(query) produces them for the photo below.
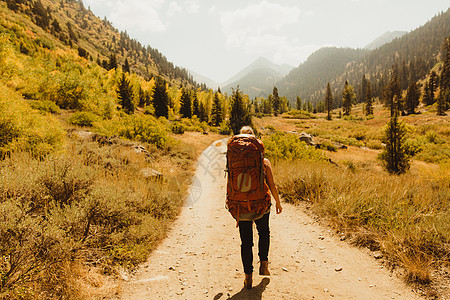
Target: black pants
<point x="246" y="233"/>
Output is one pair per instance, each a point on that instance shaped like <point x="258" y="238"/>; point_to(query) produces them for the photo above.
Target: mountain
<point x="258" y="78"/>
<point x="69" y="24"/>
<point x="414" y="55"/>
<point x="384" y="39"/>
<point x="321" y="67"/>
<point x="204" y="80"/>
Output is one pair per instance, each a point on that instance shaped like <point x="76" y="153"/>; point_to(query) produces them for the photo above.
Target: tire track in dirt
<point x="200" y="258"/>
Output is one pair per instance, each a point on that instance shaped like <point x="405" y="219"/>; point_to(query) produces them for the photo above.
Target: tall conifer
<point x="412" y="98"/>
<point x="240" y="113"/>
<point x="329" y="102"/>
<point x="298" y="103"/>
<point x="348" y="97"/>
<point x="369" y="100"/>
<point x="195" y="105"/>
<point x="216" y="111"/>
<point x="185" y="104"/>
<point x="160" y="98"/>
<point x="276" y="101"/>
<point x="125" y="94"/>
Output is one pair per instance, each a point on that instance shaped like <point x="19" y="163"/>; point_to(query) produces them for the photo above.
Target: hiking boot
<point x="264" y="268"/>
<point x="248" y="281"/>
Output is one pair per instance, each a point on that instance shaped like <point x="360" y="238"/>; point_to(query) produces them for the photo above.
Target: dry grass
<point x="73" y="219"/>
<point x="198" y="140"/>
<point x="407" y="217"/>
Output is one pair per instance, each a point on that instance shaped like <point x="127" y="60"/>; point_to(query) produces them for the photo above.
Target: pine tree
<point x="298" y="103"/>
<point x="363" y="96"/>
<point x="160" y="98"/>
<point x="348" y="97"/>
<point x="126" y="66"/>
<point x="394" y="157"/>
<point x="392" y="92"/>
<point x="329" y="102"/>
<point x="427" y="97"/>
<point x="240" y="113"/>
<point x="445" y="75"/>
<point x="433" y="84"/>
<point x="216" y="111"/>
<point x="369" y="100"/>
<point x="186" y="104"/>
<point x="309" y="106"/>
<point x="125" y="94"/>
<point x="276" y="101"/>
<point x="195" y="105"/>
<point x="112" y="63"/>
<point x="202" y="114"/>
<point x="412" y="98"/>
<point x="444" y="81"/>
<point x="441" y="105"/>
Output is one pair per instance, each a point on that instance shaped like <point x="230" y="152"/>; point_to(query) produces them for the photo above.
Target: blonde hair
<point x="247" y="130"/>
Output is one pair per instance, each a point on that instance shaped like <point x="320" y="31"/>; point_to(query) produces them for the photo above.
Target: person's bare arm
<point x="272" y="187"/>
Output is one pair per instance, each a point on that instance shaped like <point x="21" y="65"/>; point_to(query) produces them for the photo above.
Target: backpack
<point x="247" y="191"/>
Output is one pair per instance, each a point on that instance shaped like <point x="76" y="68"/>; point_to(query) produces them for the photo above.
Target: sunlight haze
<point x="217" y="39"/>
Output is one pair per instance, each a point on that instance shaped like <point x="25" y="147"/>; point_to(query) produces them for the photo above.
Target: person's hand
<point x="278" y="207"/>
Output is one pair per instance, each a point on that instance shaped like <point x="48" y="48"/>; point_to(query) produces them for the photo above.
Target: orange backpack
<point x="247" y="190"/>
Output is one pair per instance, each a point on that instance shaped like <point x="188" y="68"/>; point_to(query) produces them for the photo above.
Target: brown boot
<point x="248" y="281"/>
<point x="264" y="268"/>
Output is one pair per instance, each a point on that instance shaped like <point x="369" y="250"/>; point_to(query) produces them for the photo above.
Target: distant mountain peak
<point x="384" y="39"/>
<point x="258" y="77"/>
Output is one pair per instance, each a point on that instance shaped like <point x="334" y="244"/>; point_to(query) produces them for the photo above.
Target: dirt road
<point x="200" y="258"/>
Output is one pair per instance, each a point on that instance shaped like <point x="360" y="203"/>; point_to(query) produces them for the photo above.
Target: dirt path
<point x="200" y="258"/>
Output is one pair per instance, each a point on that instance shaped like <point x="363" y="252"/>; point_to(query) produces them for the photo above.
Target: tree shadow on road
<point x="249" y="294"/>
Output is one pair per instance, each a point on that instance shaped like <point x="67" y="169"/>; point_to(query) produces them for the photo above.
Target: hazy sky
<point x="217" y="39"/>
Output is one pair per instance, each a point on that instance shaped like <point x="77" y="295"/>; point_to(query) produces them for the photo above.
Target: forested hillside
<point x="95" y="39"/>
<point x="322" y="66"/>
<point x="415" y="54"/>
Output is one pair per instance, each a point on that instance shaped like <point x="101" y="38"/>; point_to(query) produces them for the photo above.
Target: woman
<point x="262" y="225"/>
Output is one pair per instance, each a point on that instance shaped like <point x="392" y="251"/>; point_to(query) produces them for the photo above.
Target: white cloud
<point x="173" y="9"/>
<point x="139" y="15"/>
<point x="192" y="6"/>
<point x="280" y="49"/>
<point x="260" y="29"/>
<point x="241" y="25"/>
<point x="212" y="10"/>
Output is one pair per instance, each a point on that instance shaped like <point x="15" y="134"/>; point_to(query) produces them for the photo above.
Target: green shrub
<point x="289" y="147"/>
<point x="83" y="118"/>
<point x="298" y="114"/>
<point x="326" y="145"/>
<point x="45" y="106"/>
<point x="413" y="146"/>
<point x="349" y="165"/>
<point x="177" y="128"/>
<point x="149" y="110"/>
<point x="44" y="43"/>
<point x="353" y="118"/>
<point x="374" y="144"/>
<point x="22" y="129"/>
<point x="225" y="129"/>
<point x="142" y="128"/>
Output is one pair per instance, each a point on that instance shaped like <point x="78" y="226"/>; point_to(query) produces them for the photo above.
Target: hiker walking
<point x="250" y="178"/>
